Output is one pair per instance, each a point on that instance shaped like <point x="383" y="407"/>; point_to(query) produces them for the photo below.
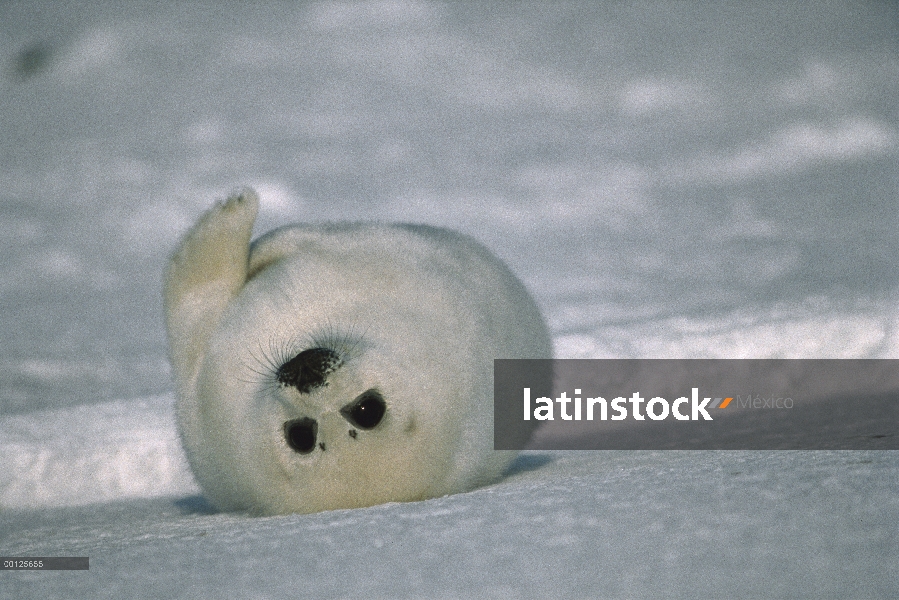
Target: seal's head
<point x="339" y="366"/>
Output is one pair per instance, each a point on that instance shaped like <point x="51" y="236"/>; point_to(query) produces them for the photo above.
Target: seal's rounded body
<point x="342" y="365"/>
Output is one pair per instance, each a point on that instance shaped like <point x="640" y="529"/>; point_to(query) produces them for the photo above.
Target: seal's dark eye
<point x="366" y="411"/>
<point x="300" y="434"/>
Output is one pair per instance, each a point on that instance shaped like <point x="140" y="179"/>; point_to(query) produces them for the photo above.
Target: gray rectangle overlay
<point x="696" y="404"/>
<point x="44" y="563"/>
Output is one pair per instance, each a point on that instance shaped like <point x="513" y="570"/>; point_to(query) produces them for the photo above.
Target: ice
<point x="92" y="453"/>
<point x="568" y="525"/>
<point x="669" y="179"/>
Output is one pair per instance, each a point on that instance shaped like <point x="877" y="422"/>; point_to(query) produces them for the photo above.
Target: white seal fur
<point x="339" y="365"/>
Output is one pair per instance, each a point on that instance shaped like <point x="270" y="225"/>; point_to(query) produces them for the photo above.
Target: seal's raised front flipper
<point x="207" y="270"/>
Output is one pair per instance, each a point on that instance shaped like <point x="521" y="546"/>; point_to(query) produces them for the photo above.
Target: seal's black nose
<point x="309" y="369"/>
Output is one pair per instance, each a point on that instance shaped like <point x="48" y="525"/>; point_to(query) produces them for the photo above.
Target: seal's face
<point x="339" y="366"/>
<point x="317" y="417"/>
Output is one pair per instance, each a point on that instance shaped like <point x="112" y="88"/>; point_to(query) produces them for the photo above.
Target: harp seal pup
<point x="339" y="365"/>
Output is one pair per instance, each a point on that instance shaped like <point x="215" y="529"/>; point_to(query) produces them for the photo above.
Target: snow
<point x="92" y="453"/>
<point x="669" y="179"/>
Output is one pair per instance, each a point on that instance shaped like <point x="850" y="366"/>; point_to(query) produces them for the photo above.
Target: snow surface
<point x="670" y="179"/>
